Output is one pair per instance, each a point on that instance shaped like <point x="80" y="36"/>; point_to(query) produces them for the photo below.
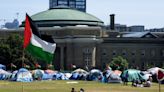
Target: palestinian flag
<point x="37" y="45"/>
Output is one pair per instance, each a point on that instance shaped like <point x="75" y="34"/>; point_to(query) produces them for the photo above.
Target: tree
<point x="12" y="52"/>
<point x="119" y="63"/>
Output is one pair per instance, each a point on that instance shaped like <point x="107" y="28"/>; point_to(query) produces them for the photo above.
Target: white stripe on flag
<point x="46" y="46"/>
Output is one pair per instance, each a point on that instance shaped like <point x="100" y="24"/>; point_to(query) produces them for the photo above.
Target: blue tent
<point x="23" y="75"/>
<point x="95" y="75"/>
<point x="2" y="67"/>
<point x="4" y="75"/>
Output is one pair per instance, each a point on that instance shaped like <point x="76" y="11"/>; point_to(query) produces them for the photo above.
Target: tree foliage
<point x="12" y="52"/>
<point x="119" y="63"/>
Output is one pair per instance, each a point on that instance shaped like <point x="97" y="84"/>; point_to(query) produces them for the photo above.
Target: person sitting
<point x="81" y="90"/>
<point x="147" y="83"/>
<point x="137" y="83"/>
<point x="134" y="83"/>
<point x="73" y="90"/>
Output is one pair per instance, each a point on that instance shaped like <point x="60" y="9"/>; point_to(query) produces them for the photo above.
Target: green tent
<point x="132" y="74"/>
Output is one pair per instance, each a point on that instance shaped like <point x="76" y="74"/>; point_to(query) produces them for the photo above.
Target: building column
<point x="61" y="58"/>
<point x="94" y="57"/>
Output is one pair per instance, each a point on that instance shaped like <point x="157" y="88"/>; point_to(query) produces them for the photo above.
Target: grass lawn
<point x="65" y="86"/>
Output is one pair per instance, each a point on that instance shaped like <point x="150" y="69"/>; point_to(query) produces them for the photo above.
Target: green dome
<point x="65" y="16"/>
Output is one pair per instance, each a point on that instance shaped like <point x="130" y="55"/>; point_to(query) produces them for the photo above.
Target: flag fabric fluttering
<point x="36" y="44"/>
<point x="160" y="75"/>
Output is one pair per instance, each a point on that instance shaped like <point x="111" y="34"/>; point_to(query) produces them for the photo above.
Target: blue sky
<point x="130" y="12"/>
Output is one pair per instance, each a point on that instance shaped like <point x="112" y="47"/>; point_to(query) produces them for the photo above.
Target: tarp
<point x="132" y="74"/>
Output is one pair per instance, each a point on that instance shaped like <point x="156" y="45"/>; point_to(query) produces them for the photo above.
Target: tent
<point x="13" y="76"/>
<point x="49" y="74"/>
<point x="132" y="74"/>
<point x="2" y="67"/>
<point x="110" y="76"/>
<point x="95" y="74"/>
<point x="4" y="75"/>
<point x="117" y="72"/>
<point x="80" y="71"/>
<point x="154" y="71"/>
<point x="60" y="76"/>
<point x="79" y="74"/>
<point x="37" y="74"/>
<point x="23" y="75"/>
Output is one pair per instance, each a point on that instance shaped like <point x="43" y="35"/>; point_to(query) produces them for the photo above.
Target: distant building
<point x="119" y="28"/>
<point x="138" y="28"/>
<point x="12" y="25"/>
<point x="74" y="4"/>
<point x="156" y="30"/>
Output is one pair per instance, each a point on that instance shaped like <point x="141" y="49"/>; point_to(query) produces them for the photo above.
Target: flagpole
<point x="23" y="57"/>
<point x="159" y="86"/>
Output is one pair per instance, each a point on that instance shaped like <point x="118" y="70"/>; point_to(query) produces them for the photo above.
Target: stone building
<point x="82" y="41"/>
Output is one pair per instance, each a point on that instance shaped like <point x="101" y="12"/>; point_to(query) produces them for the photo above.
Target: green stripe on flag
<point x="39" y="53"/>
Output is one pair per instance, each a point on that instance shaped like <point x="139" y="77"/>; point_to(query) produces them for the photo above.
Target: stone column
<point x="94" y="57"/>
<point x="62" y="58"/>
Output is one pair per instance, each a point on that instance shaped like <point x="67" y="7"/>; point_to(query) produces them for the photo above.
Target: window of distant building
<point x="162" y="53"/>
<point x="104" y="52"/>
<point x="87" y="61"/>
<point x="143" y="52"/>
<point x="124" y="52"/>
<point x="87" y="56"/>
<point x="114" y="52"/>
<point x="152" y="53"/>
<point x="133" y="53"/>
<point x="75" y="4"/>
<point x="87" y="50"/>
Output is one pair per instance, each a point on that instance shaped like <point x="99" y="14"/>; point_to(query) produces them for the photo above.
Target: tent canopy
<point x="2" y="67"/>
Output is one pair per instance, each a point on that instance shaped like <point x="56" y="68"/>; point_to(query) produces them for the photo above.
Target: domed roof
<point x="65" y="16"/>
